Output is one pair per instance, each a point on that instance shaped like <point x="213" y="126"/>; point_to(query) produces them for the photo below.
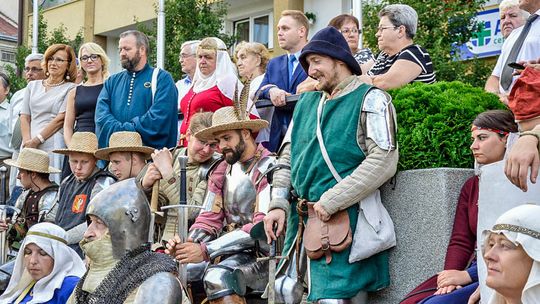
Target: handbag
<point x="323" y="238"/>
<point x="374" y="231"/>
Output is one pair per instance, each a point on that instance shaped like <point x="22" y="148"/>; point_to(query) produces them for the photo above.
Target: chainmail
<point x="135" y="267"/>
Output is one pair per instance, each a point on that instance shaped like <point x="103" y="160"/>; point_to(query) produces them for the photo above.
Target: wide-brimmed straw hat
<point x="124" y="141"/>
<point x="228" y="118"/>
<point x="81" y="142"/>
<point x="34" y="160"/>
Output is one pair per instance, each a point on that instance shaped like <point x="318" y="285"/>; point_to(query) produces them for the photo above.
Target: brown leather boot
<point x="231" y="299"/>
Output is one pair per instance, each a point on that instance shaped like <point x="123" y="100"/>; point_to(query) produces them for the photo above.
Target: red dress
<point x="206" y="101"/>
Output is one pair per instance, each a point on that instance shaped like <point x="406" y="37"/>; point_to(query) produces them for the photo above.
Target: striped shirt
<point x="414" y="53"/>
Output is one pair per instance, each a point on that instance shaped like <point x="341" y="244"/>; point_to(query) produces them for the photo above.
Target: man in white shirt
<point x="530" y="49"/>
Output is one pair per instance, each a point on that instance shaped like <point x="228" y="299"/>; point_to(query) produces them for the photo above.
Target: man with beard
<point x="122" y="269"/>
<point x="139" y="99"/>
<point x="238" y="197"/>
<point x="341" y="149"/>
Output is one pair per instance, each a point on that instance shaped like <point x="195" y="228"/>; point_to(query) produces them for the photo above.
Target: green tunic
<point x="310" y="177"/>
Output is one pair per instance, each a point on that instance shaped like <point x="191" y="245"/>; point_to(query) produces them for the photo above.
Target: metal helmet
<point x="124" y="208"/>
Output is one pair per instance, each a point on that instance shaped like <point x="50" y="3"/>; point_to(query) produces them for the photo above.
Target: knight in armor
<point x="122" y="268"/>
<point x="344" y="132"/>
<point x="238" y="197"/>
<point x="39" y="192"/>
<point x="78" y="188"/>
<point x="126" y="154"/>
<point x="202" y="157"/>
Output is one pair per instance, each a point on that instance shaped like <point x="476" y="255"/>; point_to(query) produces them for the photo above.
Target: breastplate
<point x="240" y="196"/>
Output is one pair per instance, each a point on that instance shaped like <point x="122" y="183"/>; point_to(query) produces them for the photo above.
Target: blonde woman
<point x="81" y="102"/>
<point x="251" y="61"/>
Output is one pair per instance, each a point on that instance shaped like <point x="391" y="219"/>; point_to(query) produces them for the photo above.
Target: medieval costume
<point x="126" y="103"/>
<point x="197" y="175"/>
<point x="56" y="287"/>
<point x="211" y="92"/>
<point x="520" y="226"/>
<point x="122" y="268"/>
<point x="357" y="125"/>
<point x="238" y="197"/>
<point x="33" y="205"/>
<point x="75" y="194"/>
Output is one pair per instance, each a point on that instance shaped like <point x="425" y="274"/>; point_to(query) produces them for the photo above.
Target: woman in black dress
<point x="81" y="103"/>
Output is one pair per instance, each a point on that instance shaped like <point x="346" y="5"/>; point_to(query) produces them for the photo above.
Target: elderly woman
<point x="214" y="83"/>
<point x="44" y="103"/>
<point x="512" y="254"/>
<point x="349" y="27"/>
<point x="251" y="60"/>
<point x="400" y="61"/>
<point x="459" y="279"/>
<point x="46" y="269"/>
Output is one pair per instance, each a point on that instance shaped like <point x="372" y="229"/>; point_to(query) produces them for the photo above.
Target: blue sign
<point x="488" y="40"/>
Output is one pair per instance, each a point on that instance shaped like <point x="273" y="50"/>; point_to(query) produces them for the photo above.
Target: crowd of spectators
<point x="140" y="124"/>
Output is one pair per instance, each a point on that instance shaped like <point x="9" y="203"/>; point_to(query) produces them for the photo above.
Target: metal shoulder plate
<point x="47" y="200"/>
<point x="162" y="287"/>
<point x="207" y="167"/>
<point x="19" y="204"/>
<point x="380" y="118"/>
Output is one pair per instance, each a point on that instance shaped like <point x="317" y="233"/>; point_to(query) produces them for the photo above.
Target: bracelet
<point x="40" y="137"/>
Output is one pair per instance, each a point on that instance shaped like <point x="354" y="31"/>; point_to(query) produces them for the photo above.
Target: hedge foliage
<point x="434" y="123"/>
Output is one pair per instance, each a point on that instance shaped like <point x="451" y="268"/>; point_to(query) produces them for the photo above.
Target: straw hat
<point x="124" y="141"/>
<point x="32" y="160"/>
<point x="227" y="118"/>
<point x="82" y="142"/>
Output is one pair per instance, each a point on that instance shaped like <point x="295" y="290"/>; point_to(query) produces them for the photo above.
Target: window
<point x="8" y="57"/>
<point x="255" y="29"/>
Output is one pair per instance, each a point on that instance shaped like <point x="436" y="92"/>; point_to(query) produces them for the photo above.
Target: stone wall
<point x="422" y="204"/>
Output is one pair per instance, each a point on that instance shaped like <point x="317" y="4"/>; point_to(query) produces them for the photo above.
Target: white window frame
<point x="251" y="19"/>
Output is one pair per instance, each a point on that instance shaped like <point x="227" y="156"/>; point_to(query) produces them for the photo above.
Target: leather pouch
<point x="323" y="238"/>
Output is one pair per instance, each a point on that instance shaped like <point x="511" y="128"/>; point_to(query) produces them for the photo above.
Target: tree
<point x="441" y="25"/>
<point x="187" y="20"/>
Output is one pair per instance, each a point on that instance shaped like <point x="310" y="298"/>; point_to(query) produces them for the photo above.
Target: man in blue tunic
<point x="139" y="99"/>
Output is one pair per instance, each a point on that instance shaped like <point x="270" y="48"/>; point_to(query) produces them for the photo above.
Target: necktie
<point x="506" y="75"/>
<point x="292" y="59"/>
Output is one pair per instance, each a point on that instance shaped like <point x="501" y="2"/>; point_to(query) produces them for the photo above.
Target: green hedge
<point x="434" y="123"/>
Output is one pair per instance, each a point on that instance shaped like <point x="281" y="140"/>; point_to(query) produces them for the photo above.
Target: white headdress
<point x="521" y="225"/>
<point x="225" y="75"/>
<point x="51" y="239"/>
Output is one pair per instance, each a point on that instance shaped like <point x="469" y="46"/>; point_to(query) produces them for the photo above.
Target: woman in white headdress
<point x="46" y="269"/>
<point x="215" y="83"/>
<point x="512" y="256"/>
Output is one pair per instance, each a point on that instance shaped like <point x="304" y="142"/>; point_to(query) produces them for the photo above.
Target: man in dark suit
<point x="283" y="74"/>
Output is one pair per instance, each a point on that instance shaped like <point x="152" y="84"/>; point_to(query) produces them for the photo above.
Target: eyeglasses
<point x="33" y="70"/>
<point x="353" y="31"/>
<point x="92" y="57"/>
<point x="381" y="28"/>
<point x="57" y="60"/>
<point x="184" y="56"/>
